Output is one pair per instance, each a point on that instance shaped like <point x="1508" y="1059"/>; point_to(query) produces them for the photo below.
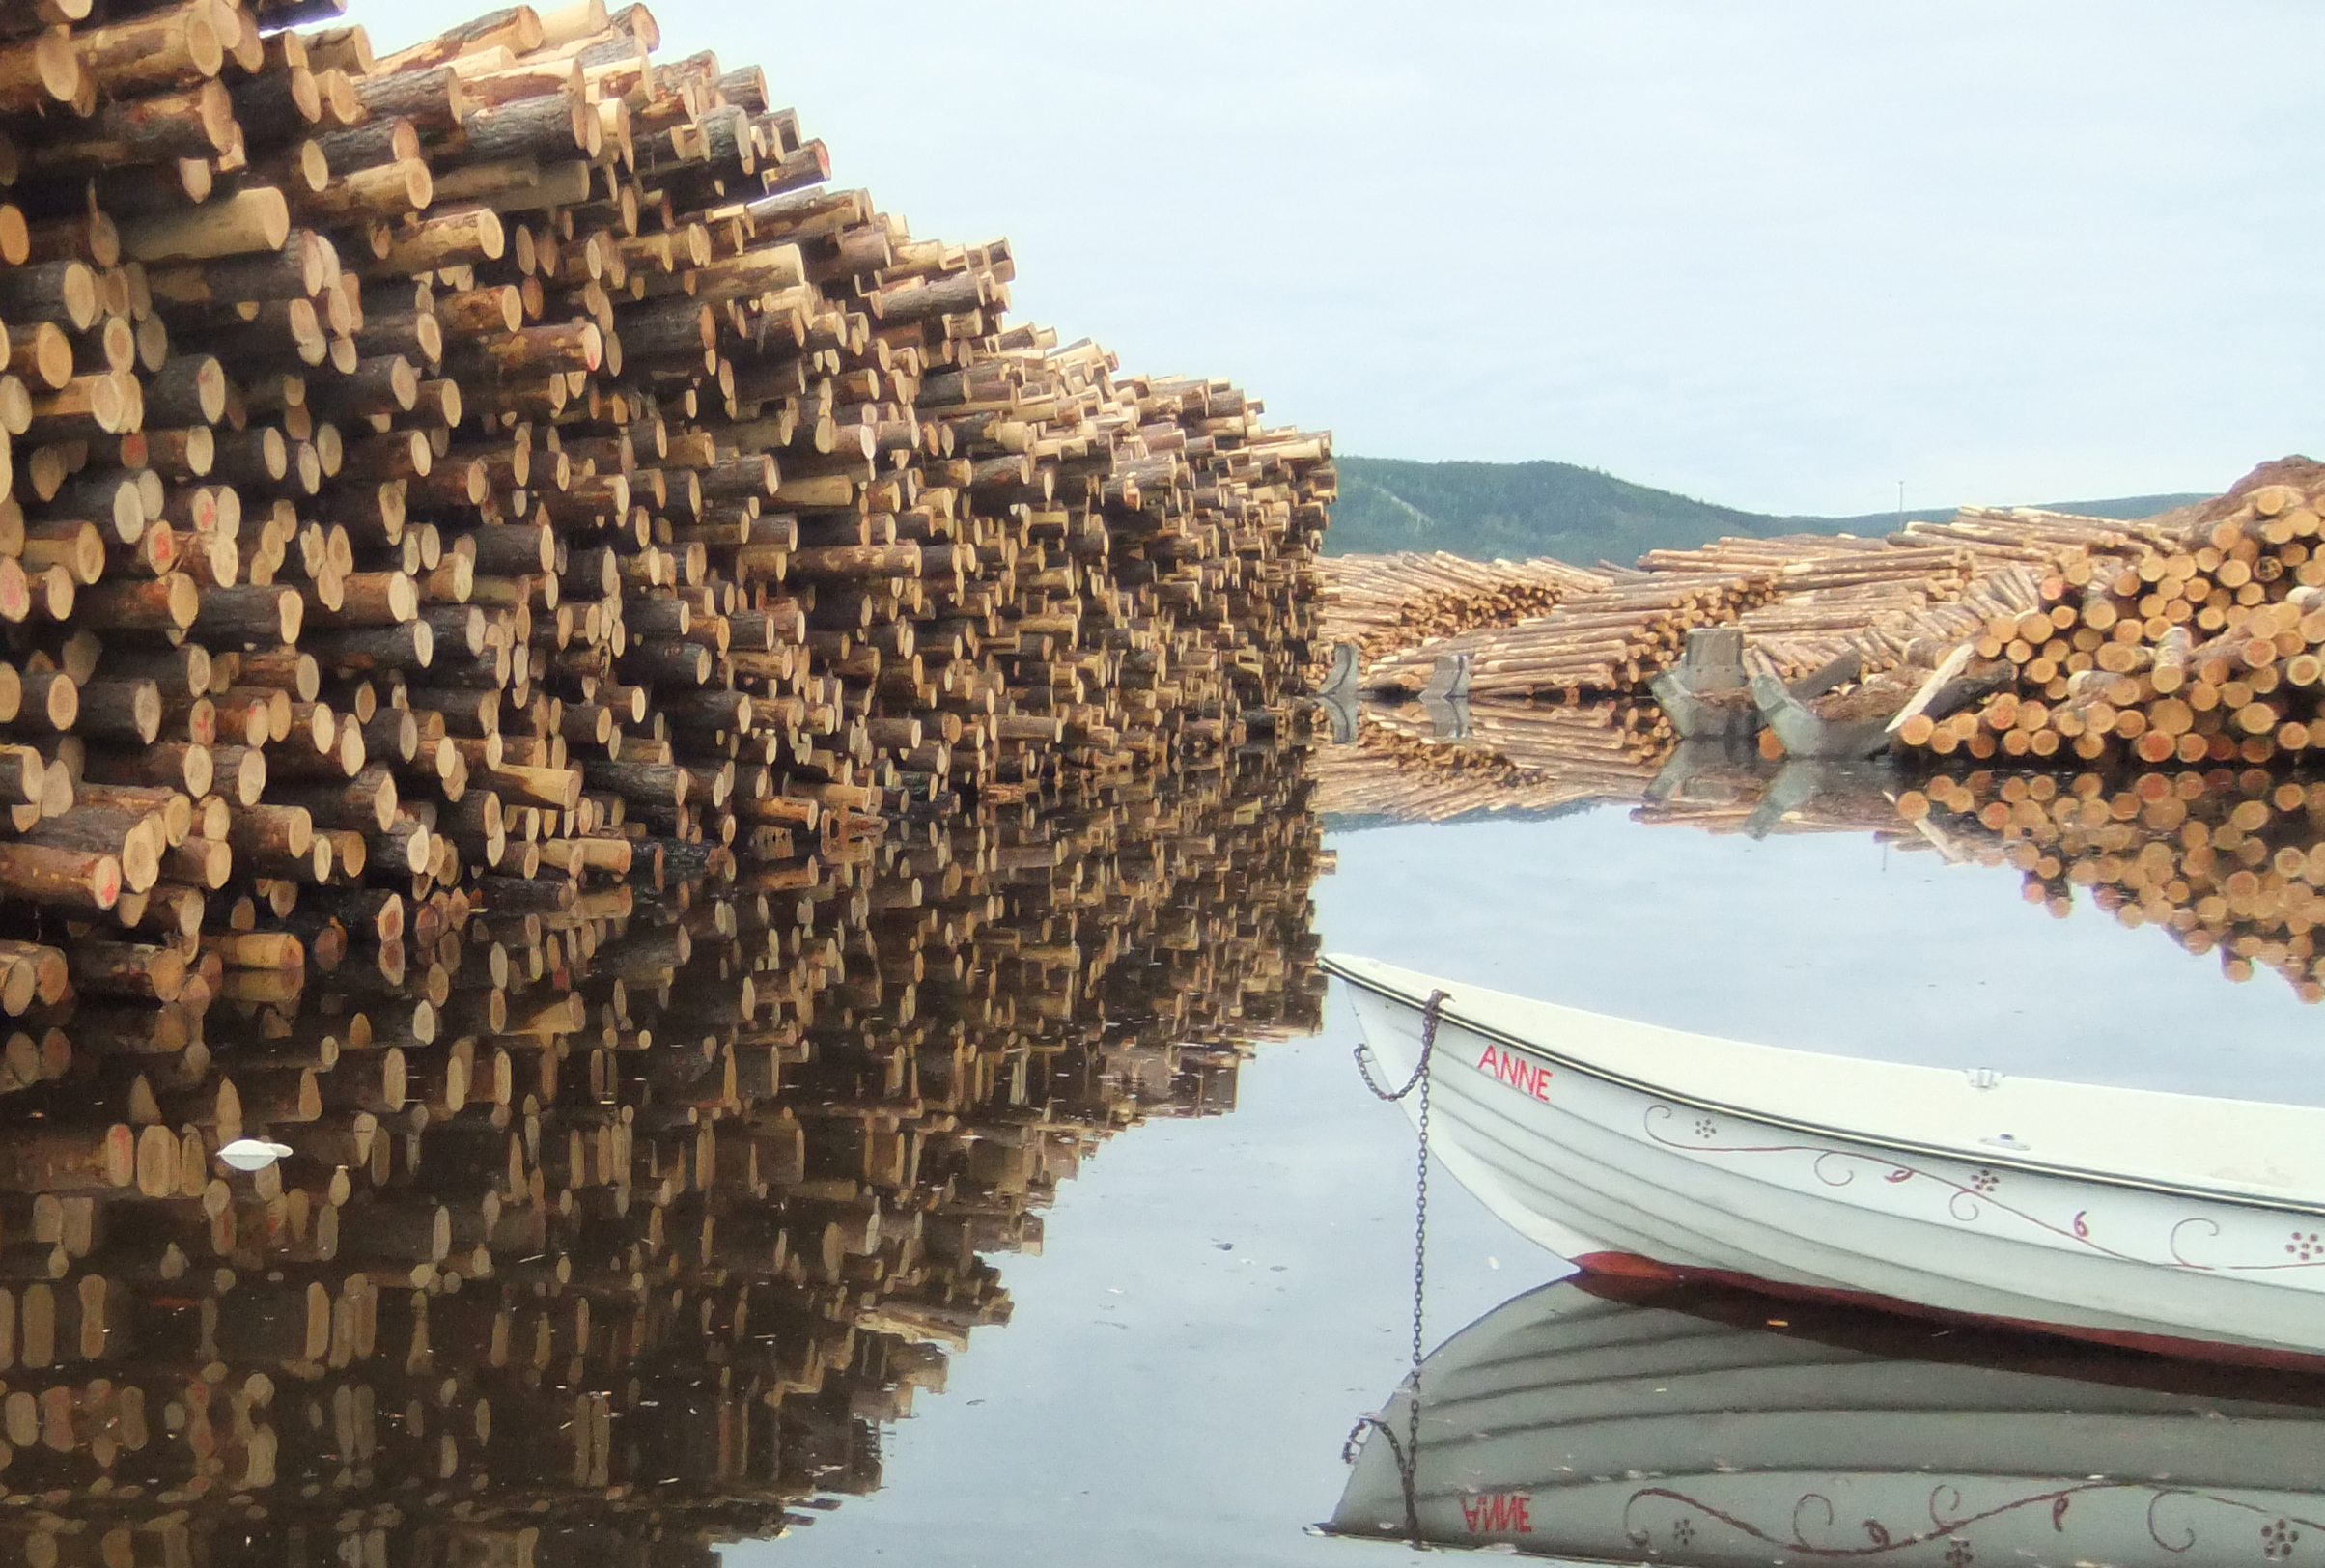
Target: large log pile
<point x="590" y="686"/>
<point x="514" y="434"/>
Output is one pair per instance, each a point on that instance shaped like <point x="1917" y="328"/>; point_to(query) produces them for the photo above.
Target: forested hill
<point x="1483" y="510"/>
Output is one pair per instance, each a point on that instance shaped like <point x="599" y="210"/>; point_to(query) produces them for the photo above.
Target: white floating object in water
<point x="252" y="1154"/>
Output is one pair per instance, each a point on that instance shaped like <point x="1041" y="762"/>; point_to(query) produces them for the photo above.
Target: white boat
<point x="2166" y="1220"/>
<point x="1666" y="1423"/>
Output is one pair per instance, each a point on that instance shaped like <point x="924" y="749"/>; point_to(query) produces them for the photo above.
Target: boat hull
<point x="1573" y="1425"/>
<point x="1616" y="1176"/>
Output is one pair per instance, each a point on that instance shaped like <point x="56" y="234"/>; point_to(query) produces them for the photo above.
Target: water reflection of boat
<point x="2119" y="1213"/>
<point x="1681" y="1423"/>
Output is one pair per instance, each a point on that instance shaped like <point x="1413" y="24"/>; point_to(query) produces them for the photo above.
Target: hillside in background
<point x="1483" y="510"/>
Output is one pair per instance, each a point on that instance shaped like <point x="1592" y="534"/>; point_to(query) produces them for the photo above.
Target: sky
<point x="1781" y="256"/>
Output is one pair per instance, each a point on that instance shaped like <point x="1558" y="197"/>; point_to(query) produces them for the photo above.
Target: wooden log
<point x="432" y="100"/>
<point x="264" y="614"/>
<point x="42" y="355"/>
<point x="174" y="47"/>
<point x="65" y="879"/>
<point x="387" y="190"/>
<point x="40" y="70"/>
<point x="69" y="1159"/>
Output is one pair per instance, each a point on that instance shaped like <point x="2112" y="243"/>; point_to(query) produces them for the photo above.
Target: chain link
<point x="1421" y="1068"/>
<point x="1408" y="1454"/>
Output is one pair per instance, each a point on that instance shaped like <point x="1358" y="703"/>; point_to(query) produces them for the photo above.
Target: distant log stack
<point x="1899" y="602"/>
<point x="2090" y="622"/>
<point x="591" y="686"/>
<point x="1606" y="641"/>
<point x="1830" y="595"/>
<point x="2199" y="639"/>
<point x="1900" y="606"/>
<point x="1385" y="603"/>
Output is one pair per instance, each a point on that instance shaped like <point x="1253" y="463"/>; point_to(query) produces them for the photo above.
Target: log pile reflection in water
<point x="2227" y="860"/>
<point x="1516" y="758"/>
<point x="2224" y="860"/>
<point x="611" y="1231"/>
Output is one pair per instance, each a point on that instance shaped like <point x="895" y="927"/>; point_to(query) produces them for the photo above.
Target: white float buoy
<point x="252" y="1154"/>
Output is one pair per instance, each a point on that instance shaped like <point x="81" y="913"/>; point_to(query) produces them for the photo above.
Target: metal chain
<point x="1421" y="1068"/>
<point x="1408" y="1454"/>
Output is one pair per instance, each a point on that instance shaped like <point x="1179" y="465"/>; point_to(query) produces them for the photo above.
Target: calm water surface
<point x="1220" y="1298"/>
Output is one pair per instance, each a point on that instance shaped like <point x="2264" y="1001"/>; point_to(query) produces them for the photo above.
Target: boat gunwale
<point x="1999" y="1159"/>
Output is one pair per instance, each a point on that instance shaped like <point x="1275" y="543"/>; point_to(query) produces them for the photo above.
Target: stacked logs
<point x="1385" y="603"/>
<point x="2051" y="605"/>
<point x="589" y="684"/>
<point x="612" y="1232"/>
<point x="2196" y="642"/>
<point x="1966" y="594"/>
<point x="503" y="467"/>
<point x="1903" y="602"/>
<point x="2033" y="536"/>
<point x="1609" y="640"/>
<point x="1896" y="608"/>
<point x="1802" y="600"/>
<point x="1831" y="595"/>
